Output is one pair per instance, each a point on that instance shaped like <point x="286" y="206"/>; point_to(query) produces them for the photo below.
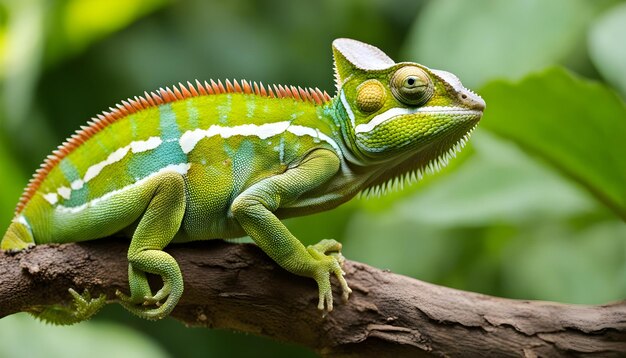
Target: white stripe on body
<point x="181" y="168"/>
<point x="94" y="170"/>
<point x="135" y="147"/>
<point x="190" y="139"/>
<point x="65" y="192"/>
<point x="187" y="142"/>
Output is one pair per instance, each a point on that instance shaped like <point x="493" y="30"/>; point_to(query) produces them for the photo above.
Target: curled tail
<point x="18" y="237"/>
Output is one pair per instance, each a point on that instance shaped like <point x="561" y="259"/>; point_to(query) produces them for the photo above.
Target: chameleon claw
<point x="120" y="295"/>
<point x="346" y="291"/>
<point x="329" y="261"/>
<point x="325" y="301"/>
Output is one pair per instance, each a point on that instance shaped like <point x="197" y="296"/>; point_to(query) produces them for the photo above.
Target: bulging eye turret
<point x="412" y="86"/>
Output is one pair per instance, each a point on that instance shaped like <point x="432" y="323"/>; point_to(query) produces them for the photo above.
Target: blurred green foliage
<point x="533" y="209"/>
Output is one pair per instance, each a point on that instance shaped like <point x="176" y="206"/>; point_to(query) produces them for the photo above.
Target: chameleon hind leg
<point x="158" y="225"/>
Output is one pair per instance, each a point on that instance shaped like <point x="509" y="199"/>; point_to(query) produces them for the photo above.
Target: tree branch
<point x="237" y="286"/>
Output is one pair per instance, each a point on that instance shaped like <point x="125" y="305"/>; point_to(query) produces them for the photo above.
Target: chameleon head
<point x="401" y="109"/>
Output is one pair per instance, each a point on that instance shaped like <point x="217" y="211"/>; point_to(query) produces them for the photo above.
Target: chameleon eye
<point x="370" y="96"/>
<point x="411" y="85"/>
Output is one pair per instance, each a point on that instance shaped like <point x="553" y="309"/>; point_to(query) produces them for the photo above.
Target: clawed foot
<point x="85" y="306"/>
<point x="327" y="253"/>
<point x="82" y="308"/>
<point x="148" y="307"/>
<point x="146" y="299"/>
<point x="145" y="305"/>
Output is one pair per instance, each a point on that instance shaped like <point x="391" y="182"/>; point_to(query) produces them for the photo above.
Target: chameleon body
<point x="209" y="161"/>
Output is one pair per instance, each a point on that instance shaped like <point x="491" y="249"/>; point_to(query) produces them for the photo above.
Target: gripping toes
<point x="328" y="261"/>
<point x="85" y="306"/>
<point x="82" y="308"/>
<point x="141" y="300"/>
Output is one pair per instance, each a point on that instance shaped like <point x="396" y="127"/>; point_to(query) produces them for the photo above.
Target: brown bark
<point x="236" y="286"/>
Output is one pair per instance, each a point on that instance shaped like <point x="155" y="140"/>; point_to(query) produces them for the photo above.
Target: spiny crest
<point x="162" y="96"/>
<point x="397" y="180"/>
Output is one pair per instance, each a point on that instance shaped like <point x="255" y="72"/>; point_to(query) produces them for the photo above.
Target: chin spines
<point x="416" y="174"/>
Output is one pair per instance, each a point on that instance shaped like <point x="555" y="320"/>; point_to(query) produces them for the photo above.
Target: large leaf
<point x="577" y="126"/>
<point x="429" y="234"/>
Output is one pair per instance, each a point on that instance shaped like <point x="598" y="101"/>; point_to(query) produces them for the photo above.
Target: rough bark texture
<point x="236" y="286"/>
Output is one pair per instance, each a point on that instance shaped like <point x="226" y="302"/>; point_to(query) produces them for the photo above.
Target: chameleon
<point x="214" y="160"/>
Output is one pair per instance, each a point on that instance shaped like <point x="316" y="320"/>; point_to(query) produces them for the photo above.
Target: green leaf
<point x="442" y="231"/>
<point x="577" y="126"/>
<point x="500" y="183"/>
<point x="606" y="47"/>
<point x="480" y="40"/>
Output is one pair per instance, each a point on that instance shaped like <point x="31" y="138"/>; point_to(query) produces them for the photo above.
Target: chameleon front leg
<point x="158" y="225"/>
<point x="254" y="208"/>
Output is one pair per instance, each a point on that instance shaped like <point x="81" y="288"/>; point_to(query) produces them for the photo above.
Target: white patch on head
<point x="469" y="96"/>
<point x="64" y="192"/>
<point x="362" y="55"/>
<point x="52" y="198"/>
<point x="451" y="79"/>
<point x="145" y="145"/>
<point x="394" y="112"/>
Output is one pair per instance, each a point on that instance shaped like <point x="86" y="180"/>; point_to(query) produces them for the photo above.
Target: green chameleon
<point x="209" y="161"/>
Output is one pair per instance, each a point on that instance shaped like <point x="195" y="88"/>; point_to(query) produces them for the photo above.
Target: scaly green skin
<point x="230" y="164"/>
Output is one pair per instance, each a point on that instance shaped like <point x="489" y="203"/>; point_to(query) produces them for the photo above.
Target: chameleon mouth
<point x="392" y="113"/>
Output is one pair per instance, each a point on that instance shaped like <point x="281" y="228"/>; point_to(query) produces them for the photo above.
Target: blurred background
<point x="534" y="208"/>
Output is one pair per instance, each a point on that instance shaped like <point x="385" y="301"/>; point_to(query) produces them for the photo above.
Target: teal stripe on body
<point x="169" y="152"/>
<point x="79" y="196"/>
<point x="167" y="122"/>
<point x="69" y="170"/>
